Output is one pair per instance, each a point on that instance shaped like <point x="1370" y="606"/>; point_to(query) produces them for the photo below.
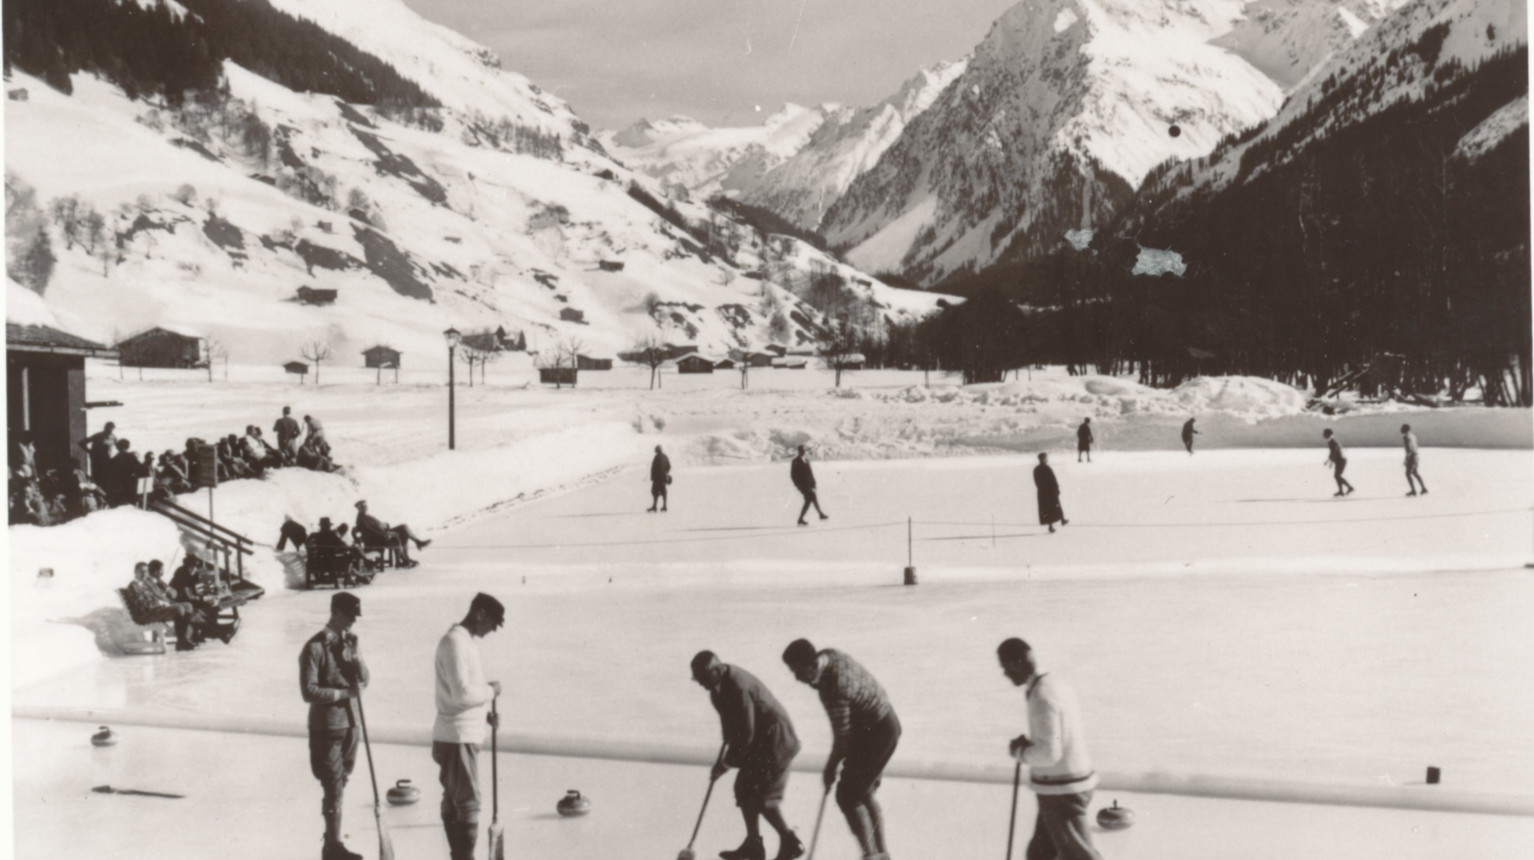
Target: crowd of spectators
<point x="369" y="533"/>
<point x="110" y="473"/>
<point x="190" y="601"/>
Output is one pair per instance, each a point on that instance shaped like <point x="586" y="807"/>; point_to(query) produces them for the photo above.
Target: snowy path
<point x="1353" y="644"/>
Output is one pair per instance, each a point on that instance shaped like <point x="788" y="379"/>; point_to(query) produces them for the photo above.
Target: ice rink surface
<point x="1219" y="614"/>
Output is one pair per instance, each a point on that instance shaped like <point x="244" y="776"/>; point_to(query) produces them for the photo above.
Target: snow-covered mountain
<point x="845" y="147"/>
<point x="494" y="209"/>
<point x="693" y="160"/>
<point x="1065" y="108"/>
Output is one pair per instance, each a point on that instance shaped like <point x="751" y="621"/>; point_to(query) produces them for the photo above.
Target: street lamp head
<point x="453" y="337"/>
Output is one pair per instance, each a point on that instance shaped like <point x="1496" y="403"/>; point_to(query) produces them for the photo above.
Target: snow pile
<point x="1249" y="397"/>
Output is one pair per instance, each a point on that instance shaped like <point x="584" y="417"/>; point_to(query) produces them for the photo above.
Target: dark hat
<point x="345" y="601"/>
<point x="324" y="523"/>
<point x="361" y="503"/>
<point x="490" y="606"/>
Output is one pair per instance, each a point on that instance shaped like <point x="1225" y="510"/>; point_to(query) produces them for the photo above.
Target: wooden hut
<point x="161" y="347"/>
<point x="587" y="362"/>
<point x="380" y="356"/>
<point x="694" y="363"/>
<point x="298" y="368"/>
<point x="45" y="389"/>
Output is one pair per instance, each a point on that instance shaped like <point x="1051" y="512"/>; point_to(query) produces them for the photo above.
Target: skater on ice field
<point x="1084" y="440"/>
<point x="331" y="676"/>
<point x="864" y="733"/>
<point x="1187" y="435"/>
<point x="660" y="476"/>
<point x="462" y="697"/>
<point x="804" y="481"/>
<point x="759" y="740"/>
<point x="1409" y="441"/>
<point x="1050" y="511"/>
<point x="376" y="532"/>
<point x="1338" y="462"/>
<point x="1055" y="751"/>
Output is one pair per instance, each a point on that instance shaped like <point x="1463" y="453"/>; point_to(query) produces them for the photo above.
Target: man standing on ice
<point x="660" y="476"/>
<point x="804" y="482"/>
<point x="864" y="733"/>
<point x="1338" y="462"/>
<point x="1187" y="435"/>
<point x="1409" y="440"/>
<point x="759" y="739"/>
<point x="1084" y="440"/>
<point x="462" y="694"/>
<point x="1055" y="750"/>
<point x="331" y="676"/>
<point x="1050" y="511"/>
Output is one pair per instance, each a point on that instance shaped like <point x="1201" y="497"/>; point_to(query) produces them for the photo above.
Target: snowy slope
<point x="1403" y="58"/>
<point x="416" y="227"/>
<point x="692" y="159"/>
<point x="1065" y="108"/>
<point x="845" y="147"/>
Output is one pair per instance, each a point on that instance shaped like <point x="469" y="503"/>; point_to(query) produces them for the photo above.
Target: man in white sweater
<point x="1055" y="750"/>
<point x="462" y="697"/>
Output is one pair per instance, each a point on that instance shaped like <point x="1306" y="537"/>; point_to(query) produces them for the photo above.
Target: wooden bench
<point x="152" y="637"/>
<point x="336" y="565"/>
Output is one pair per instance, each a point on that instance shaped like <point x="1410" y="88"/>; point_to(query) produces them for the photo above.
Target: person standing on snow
<point x="1084" y="440"/>
<point x="660" y="476"/>
<point x="1187" y="435"/>
<point x="456" y="736"/>
<point x="331" y="675"/>
<point x="1409" y="441"/>
<point x="1048" y="488"/>
<point x="287" y="431"/>
<point x="759" y="739"/>
<point x="1055" y="750"/>
<point x="1338" y="462"/>
<point x="804" y="481"/>
<point x="864" y="734"/>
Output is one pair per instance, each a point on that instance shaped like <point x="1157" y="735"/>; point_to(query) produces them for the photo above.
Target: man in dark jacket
<point x="1084" y="440"/>
<point x="804" y="482"/>
<point x="660" y="476"/>
<point x="100" y="447"/>
<point x="759" y="739"/>
<point x="864" y="734"/>
<point x="1050" y="511"/>
<point x="1187" y="435"/>
<point x="1339" y="463"/>
<point x="125" y="470"/>
<point x="331" y="675"/>
<point x="287" y="431"/>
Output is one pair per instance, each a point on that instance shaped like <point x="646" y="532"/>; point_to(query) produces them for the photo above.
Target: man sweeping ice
<point x="759" y="740"/>
<point x="456" y="736"/>
<point x="1055" y="751"/>
<point x="864" y="731"/>
<point x="331" y="676"/>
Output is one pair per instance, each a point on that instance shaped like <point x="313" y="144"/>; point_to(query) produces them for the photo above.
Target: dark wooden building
<point x="161" y="347"/>
<point x="380" y="356"/>
<point x="299" y="368"/>
<point x="557" y="375"/>
<point x="586" y="362"/>
<point x="572" y="315"/>
<point x="311" y="296"/>
<point x="45" y="389"/>
<point x="694" y="364"/>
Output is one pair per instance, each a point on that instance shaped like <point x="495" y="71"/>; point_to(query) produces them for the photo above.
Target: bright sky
<point x="718" y="61"/>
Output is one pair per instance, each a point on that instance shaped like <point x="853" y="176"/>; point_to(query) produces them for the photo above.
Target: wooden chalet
<point x="379" y="356"/>
<point x="161" y="347"/>
<point x="694" y="363"/>
<point x="45" y="389"/>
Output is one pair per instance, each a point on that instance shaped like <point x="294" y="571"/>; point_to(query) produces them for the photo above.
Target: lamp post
<point x="453" y="339"/>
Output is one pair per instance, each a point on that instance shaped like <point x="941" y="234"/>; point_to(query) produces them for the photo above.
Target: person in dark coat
<point x="1339" y="463"/>
<point x="759" y="740"/>
<point x="331" y="677"/>
<point x="287" y="431"/>
<point x="376" y="532"/>
<point x="291" y="532"/>
<point x="1084" y="440"/>
<point x="660" y="476"/>
<point x="124" y="471"/>
<point x="1187" y="435"/>
<point x="100" y="447"/>
<point x="1050" y="511"/>
<point x="804" y="481"/>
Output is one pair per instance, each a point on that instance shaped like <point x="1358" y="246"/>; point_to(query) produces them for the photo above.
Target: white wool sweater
<point x="462" y="692"/>
<point x="1057" y="758"/>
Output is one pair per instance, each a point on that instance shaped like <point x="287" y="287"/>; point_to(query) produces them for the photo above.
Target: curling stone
<point x="573" y="804"/>
<point x="104" y="738"/>
<point x="1115" y="817"/>
<point x="403" y="793"/>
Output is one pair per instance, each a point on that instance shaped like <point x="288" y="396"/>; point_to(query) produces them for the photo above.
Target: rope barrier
<point x="1434" y="798"/>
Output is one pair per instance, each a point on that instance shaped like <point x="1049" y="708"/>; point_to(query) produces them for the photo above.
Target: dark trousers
<point x="332" y="755"/>
<point x="1062" y="829"/>
<point x="809" y="499"/>
<point x="868" y="751"/>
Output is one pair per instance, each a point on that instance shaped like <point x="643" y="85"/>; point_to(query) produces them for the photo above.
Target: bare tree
<point x="838" y="344"/>
<point x="185" y="194"/>
<point x="216" y="351"/>
<point x="316" y="351"/>
<point x="470" y="355"/>
<point x="650" y="352"/>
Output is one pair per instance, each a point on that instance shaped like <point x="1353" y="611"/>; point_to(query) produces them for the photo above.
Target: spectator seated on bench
<point x="330" y="560"/>
<point x="372" y="532"/>
<point x="150" y="601"/>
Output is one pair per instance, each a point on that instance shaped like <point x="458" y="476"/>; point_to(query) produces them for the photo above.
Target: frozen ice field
<point x="1220" y="615"/>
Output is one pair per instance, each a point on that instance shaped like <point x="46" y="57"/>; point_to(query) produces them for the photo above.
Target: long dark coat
<point x="1050" y="511"/>
<point x="803" y="477"/>
<point x="660" y="474"/>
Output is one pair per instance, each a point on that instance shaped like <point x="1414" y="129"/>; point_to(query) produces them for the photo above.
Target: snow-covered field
<point x="1220" y="615"/>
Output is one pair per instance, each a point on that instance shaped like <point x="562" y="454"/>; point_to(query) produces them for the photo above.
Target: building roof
<point x="381" y="349"/>
<point x="180" y="331"/>
<point x="42" y="338"/>
<point x="296" y="367"/>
